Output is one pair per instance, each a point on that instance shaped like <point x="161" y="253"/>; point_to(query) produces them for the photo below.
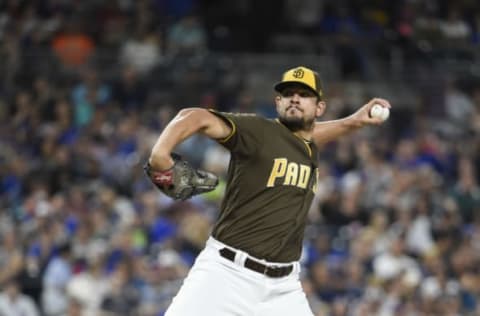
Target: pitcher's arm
<point x="186" y="123"/>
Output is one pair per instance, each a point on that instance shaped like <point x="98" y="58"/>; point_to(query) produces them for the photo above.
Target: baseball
<point x="380" y="112"/>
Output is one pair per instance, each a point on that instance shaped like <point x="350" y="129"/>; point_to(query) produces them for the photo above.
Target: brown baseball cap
<point x="303" y="76"/>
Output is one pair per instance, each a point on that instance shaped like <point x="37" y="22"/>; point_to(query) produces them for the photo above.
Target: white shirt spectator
<point x="395" y="262"/>
<point x="20" y="306"/>
<point x="89" y="290"/>
<point x="458" y="105"/>
<point x="419" y="236"/>
<point x="141" y="53"/>
<point x="14" y="303"/>
<point x="432" y="288"/>
<point x="455" y="28"/>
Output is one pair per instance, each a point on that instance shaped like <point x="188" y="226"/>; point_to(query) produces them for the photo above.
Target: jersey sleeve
<point x="247" y="132"/>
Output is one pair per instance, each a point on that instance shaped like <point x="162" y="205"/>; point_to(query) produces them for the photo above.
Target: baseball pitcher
<point x="250" y="263"/>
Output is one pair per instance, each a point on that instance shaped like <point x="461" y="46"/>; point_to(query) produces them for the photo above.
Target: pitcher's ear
<point x="277" y="99"/>
<point x="321" y="106"/>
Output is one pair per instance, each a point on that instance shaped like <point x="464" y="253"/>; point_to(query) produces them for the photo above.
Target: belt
<point x="270" y="271"/>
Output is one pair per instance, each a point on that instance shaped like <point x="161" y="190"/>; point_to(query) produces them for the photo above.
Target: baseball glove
<point x="181" y="181"/>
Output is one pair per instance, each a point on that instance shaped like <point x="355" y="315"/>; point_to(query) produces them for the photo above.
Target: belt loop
<point x="296" y="267"/>
<point x="240" y="258"/>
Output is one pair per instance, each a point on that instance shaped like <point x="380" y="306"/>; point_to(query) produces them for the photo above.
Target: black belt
<point x="271" y="271"/>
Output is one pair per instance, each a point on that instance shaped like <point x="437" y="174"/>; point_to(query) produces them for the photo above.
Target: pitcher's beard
<point x="296" y="124"/>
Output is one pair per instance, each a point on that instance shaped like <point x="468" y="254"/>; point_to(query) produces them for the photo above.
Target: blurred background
<point x="87" y="86"/>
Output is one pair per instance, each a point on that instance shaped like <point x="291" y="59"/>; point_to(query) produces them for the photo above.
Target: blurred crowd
<point x="87" y="86"/>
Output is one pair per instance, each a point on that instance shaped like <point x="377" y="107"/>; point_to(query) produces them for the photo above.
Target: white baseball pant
<point x="216" y="286"/>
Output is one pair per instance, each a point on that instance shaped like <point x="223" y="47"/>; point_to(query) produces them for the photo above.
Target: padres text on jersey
<point x="289" y="173"/>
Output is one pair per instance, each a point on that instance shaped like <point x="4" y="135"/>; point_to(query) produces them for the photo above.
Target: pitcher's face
<point x="298" y="107"/>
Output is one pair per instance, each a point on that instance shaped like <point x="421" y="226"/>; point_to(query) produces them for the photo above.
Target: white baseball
<point x="380" y="112"/>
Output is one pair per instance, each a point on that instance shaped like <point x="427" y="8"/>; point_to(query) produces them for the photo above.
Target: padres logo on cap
<point x="298" y="73"/>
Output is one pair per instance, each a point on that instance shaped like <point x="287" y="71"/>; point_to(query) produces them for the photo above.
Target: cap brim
<point x="280" y="86"/>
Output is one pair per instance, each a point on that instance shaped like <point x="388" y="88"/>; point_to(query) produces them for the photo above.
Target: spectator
<point x="14" y="303"/>
<point x="459" y="109"/>
<point x="454" y="28"/>
<point x="30" y="278"/>
<point x="73" y="47"/>
<point x="466" y="192"/>
<point x="187" y="37"/>
<point x="11" y="258"/>
<point x="395" y="262"/>
<point x="88" y="95"/>
<point x="89" y="287"/>
<point x="124" y="296"/>
<point x="308" y="17"/>
<point x="129" y="90"/>
<point x="142" y="52"/>
<point x="57" y="275"/>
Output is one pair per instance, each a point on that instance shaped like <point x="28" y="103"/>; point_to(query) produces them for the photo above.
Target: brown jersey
<point x="270" y="186"/>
